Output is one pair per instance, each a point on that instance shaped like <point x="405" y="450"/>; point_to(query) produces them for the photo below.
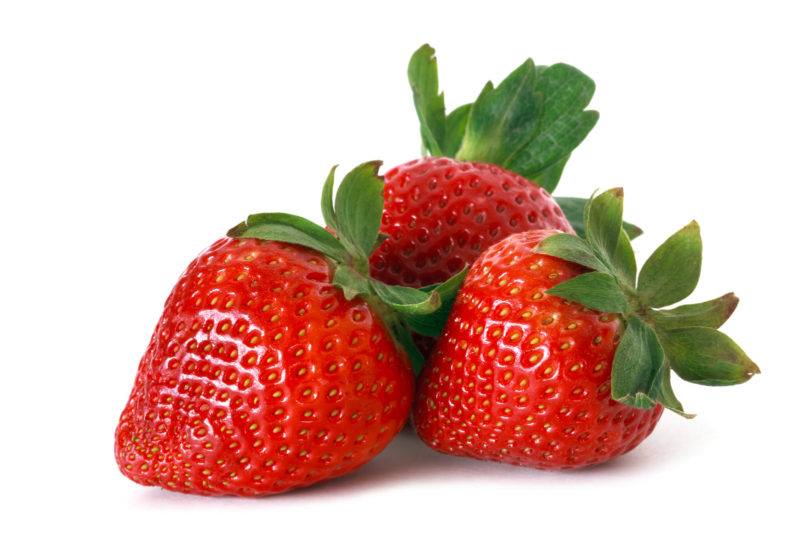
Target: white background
<point x="132" y="135"/>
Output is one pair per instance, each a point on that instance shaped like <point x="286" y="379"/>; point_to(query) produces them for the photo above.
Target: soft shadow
<point x="407" y="460"/>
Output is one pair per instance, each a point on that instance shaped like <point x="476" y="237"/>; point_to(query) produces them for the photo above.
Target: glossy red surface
<point x="440" y="214"/>
<point x="260" y="377"/>
<point x="521" y="377"/>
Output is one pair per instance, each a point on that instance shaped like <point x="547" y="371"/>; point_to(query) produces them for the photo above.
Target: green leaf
<point x="566" y="91"/>
<point x="671" y="273"/>
<point x="573" y="210"/>
<point x="359" y="205"/>
<point x="571" y="248"/>
<point x="662" y="392"/>
<point x="502" y="119"/>
<point x="636" y="371"/>
<point x="454" y="126"/>
<point x="327" y="200"/>
<point x="350" y="282"/>
<point x="551" y="144"/>
<point x="531" y="122"/>
<point x="595" y="290"/>
<point x="563" y="124"/>
<point x="706" y="356"/>
<point x="711" y="314"/>
<point x="549" y="177"/>
<point x="428" y="101"/>
<point x="402" y="337"/>
<point x="407" y="300"/>
<point x="603" y="220"/>
<point x="624" y="261"/>
<point x="433" y="324"/>
<point x="290" y="229"/>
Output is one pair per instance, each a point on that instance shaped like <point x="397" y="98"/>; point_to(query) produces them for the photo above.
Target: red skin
<point x="260" y="377"/>
<point x="440" y="214"/>
<point x="521" y="377"/>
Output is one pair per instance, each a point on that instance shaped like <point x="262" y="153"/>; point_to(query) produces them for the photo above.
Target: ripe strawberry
<point x="493" y="165"/>
<point x="440" y="214"/>
<point x="544" y="363"/>
<point x="275" y="365"/>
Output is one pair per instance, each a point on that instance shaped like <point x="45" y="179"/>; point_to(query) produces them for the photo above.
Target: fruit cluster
<point x="511" y="325"/>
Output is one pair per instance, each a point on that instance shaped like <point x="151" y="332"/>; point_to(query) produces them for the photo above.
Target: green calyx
<point x="529" y="123"/>
<point x="656" y="341"/>
<point x="354" y="216"/>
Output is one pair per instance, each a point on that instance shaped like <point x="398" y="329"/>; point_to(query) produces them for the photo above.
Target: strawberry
<point x="440" y="214"/>
<point x="493" y="165"/>
<point x="277" y="361"/>
<point x="555" y="356"/>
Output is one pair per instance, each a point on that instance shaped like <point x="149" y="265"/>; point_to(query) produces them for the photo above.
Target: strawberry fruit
<point x="491" y="167"/>
<point x="277" y="361"/>
<point x="556" y="356"/>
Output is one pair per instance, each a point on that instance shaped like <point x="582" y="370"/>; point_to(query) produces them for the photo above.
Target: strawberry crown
<point x="529" y="124"/>
<point x="684" y="339"/>
<point x="355" y="218"/>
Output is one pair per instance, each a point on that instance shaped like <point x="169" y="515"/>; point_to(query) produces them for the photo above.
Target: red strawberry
<point x="494" y="163"/>
<point x="274" y="365"/>
<point x="440" y="214"/>
<point x="261" y="377"/>
<point x="526" y="373"/>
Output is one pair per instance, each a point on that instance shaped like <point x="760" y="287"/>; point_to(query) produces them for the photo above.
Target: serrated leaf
<point x="671" y="273"/>
<point x="571" y="248"/>
<point x="407" y="300"/>
<point x="711" y="314"/>
<point x="573" y="208"/>
<point x="706" y="356"/>
<point x="503" y="118"/>
<point x="531" y="122"/>
<point x="350" y="282"/>
<point x="454" y="127"/>
<point x="636" y="371"/>
<point x="433" y="324"/>
<point x="603" y="221"/>
<point x="290" y="229"/>
<point x="327" y="199"/>
<point x="429" y="102"/>
<point x="595" y="290"/>
<point x="624" y="260"/>
<point x="566" y="91"/>
<point x="358" y="209"/>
